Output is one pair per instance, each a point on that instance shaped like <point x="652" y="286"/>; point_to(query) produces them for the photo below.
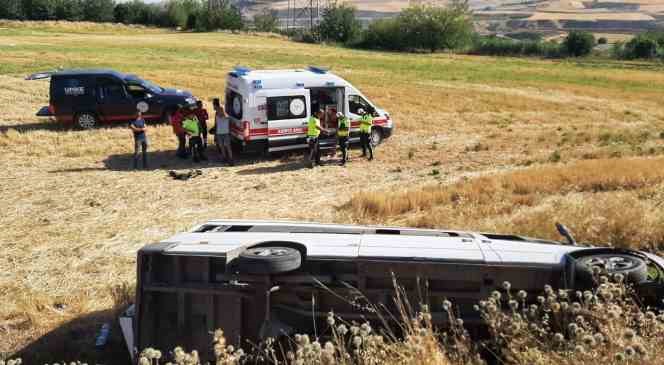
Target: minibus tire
<point x="269" y="260"/>
<point x="633" y="268"/>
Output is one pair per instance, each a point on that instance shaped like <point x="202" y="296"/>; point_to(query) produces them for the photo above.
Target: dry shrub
<point x="76" y="27"/>
<point x="615" y="201"/>
<point x="604" y="326"/>
<point x="624" y="219"/>
<point x="346" y="343"/>
<point x="581" y="176"/>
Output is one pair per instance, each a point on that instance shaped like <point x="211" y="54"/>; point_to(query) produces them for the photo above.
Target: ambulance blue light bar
<point x="318" y="69"/>
<point x="240" y="71"/>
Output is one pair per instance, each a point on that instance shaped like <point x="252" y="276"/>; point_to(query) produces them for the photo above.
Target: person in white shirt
<point x="222" y="134"/>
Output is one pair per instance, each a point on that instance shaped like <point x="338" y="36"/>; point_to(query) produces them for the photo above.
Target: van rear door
<point x="287" y="112"/>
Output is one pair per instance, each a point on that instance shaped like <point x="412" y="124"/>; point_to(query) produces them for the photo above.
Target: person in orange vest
<point x="202" y="115"/>
<point x="176" y="122"/>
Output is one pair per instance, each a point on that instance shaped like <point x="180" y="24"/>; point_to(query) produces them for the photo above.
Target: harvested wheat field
<point x="509" y="145"/>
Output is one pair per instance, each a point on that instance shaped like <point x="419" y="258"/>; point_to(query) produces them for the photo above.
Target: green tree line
<point x="186" y="14"/>
<point x="418" y="28"/>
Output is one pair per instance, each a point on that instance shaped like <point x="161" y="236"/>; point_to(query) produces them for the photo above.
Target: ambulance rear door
<point x="287" y="112"/>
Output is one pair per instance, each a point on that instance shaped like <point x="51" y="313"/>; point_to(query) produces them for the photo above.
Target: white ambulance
<point x="269" y="109"/>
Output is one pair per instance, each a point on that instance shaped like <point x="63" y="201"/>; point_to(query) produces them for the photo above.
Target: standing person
<point x="366" y="121"/>
<point x="313" y="134"/>
<point x="222" y="134"/>
<point x="342" y="134"/>
<point x="202" y="115"/>
<point x="176" y="122"/>
<point x="140" y="140"/>
<point x="192" y="129"/>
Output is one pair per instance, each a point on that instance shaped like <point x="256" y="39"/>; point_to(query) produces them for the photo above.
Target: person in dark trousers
<point x="140" y="140"/>
<point x="202" y="115"/>
<point x="366" y="121"/>
<point x="222" y="132"/>
<point x="342" y="134"/>
<point x="176" y="122"/>
<point x="191" y="127"/>
<point x="313" y="133"/>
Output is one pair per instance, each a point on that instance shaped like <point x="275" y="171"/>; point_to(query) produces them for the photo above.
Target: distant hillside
<point x="505" y="16"/>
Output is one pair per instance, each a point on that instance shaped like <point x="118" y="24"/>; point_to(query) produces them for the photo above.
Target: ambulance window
<point x="286" y="107"/>
<point x="356" y="102"/>
<point x="234" y="104"/>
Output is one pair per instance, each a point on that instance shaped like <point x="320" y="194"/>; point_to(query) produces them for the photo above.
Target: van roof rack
<point x="318" y="69"/>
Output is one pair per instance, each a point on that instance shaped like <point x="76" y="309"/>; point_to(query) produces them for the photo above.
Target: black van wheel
<point x="376" y="136"/>
<point x="86" y="120"/>
<point x="269" y="260"/>
<point x="633" y="268"/>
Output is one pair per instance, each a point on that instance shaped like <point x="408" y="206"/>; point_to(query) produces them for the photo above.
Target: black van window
<point x="137" y="91"/>
<point x="69" y="87"/>
<point x="234" y="104"/>
<point x="286" y="107"/>
<point x="110" y="90"/>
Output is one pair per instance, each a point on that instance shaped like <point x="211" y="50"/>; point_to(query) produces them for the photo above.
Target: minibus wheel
<point x="269" y="260"/>
<point x="633" y="268"/>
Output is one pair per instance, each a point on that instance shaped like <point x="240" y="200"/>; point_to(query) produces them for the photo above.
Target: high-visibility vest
<point x="365" y="123"/>
<point x="312" y="131"/>
<point x="190" y="124"/>
<point x="343" y="127"/>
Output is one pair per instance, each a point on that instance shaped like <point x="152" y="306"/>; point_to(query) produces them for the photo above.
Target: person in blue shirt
<point x="140" y="140"/>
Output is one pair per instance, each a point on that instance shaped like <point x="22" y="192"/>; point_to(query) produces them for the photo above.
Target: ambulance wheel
<point x="86" y="120"/>
<point x="269" y="260"/>
<point x="376" y="136"/>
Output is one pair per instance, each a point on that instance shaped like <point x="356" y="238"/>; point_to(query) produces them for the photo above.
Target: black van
<point x="89" y="97"/>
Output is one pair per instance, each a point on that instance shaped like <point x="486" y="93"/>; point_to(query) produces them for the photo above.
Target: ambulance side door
<point x="354" y="102"/>
<point x="287" y="112"/>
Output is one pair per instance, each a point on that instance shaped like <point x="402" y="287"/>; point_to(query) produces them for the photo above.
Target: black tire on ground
<point x="633" y="268"/>
<point x="86" y="120"/>
<point x="269" y="260"/>
<point x="376" y="136"/>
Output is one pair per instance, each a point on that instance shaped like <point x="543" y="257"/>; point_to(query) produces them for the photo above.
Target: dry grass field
<point x="510" y="145"/>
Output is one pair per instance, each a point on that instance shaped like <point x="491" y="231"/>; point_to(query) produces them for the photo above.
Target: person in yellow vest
<point x="342" y="134"/>
<point x="191" y="127"/>
<point x="313" y="133"/>
<point x="366" y="121"/>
